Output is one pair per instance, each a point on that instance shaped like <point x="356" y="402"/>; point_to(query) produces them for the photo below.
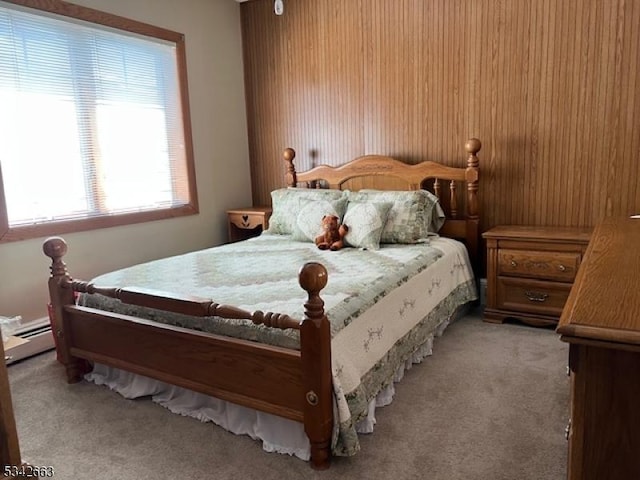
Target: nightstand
<point x="247" y="222"/>
<point x="530" y="271"/>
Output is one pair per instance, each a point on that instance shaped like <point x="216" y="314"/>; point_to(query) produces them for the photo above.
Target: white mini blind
<point x="89" y="111"/>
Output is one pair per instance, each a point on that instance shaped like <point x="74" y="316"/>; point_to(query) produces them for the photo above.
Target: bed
<point x="276" y="346"/>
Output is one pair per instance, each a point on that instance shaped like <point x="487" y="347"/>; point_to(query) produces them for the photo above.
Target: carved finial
<point x="55" y="248"/>
<point x="473" y="146"/>
<point x="313" y="277"/>
<point x="289" y="154"/>
<point x="290" y="177"/>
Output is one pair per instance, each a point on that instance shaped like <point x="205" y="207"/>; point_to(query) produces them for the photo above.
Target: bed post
<point x="290" y="177"/>
<point x="61" y="294"/>
<point x="315" y="350"/>
<point x="472" y="146"/>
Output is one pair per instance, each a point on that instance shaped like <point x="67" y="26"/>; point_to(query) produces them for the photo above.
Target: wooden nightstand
<point x="530" y="271"/>
<point x="247" y="222"/>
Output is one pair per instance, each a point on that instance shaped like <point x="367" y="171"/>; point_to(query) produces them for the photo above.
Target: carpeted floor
<point x="491" y="403"/>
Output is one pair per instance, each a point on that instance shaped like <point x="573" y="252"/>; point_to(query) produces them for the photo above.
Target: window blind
<point x="90" y="120"/>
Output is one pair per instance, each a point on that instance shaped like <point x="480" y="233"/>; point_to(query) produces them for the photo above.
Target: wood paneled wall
<point x="550" y="87"/>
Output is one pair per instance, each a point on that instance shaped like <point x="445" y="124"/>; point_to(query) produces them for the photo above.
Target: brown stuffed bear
<point x="332" y="236"/>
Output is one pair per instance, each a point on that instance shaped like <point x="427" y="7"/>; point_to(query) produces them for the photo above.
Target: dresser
<point x="601" y="323"/>
<point x="530" y="271"/>
<point x="244" y="223"/>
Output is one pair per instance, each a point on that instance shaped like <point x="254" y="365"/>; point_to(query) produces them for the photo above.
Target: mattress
<point x="385" y="307"/>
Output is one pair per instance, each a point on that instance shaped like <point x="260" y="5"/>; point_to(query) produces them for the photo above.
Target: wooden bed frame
<point x="295" y="384"/>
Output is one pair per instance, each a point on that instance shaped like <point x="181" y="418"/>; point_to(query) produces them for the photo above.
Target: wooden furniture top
<point x="550" y="234"/>
<point x="250" y="209"/>
<point x="604" y="303"/>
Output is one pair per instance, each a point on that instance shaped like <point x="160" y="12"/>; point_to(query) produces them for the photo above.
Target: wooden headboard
<point x="386" y="173"/>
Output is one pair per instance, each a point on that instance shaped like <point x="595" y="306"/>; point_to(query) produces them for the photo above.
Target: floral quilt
<point x="382" y="304"/>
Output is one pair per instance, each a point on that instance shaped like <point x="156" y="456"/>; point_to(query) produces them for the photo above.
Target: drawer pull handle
<point x="567" y="430"/>
<point x="562" y="268"/>
<point x="536" y="296"/>
<point x="513" y="264"/>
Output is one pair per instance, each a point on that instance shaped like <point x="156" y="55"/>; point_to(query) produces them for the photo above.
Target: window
<point x="94" y="121"/>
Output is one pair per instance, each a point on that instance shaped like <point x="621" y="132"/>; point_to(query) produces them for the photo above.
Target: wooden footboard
<point x="295" y="384"/>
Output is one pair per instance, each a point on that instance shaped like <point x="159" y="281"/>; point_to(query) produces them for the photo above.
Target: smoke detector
<point x="278" y="7"/>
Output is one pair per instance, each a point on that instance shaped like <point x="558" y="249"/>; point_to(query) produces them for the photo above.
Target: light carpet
<point x="491" y="403"/>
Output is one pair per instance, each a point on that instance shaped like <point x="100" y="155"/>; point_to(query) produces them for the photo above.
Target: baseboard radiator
<point x="34" y="339"/>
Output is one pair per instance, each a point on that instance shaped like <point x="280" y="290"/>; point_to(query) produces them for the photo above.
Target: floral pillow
<point x="366" y="221"/>
<point x="308" y="224"/>
<point x="413" y="214"/>
<point x="287" y="202"/>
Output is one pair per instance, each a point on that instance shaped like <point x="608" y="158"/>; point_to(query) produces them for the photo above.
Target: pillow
<point x="438" y="217"/>
<point x="414" y="213"/>
<point x="287" y="202"/>
<point x="308" y="224"/>
<point x="366" y="221"/>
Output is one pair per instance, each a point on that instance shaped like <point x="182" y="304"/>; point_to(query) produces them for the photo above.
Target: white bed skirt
<point x="277" y="434"/>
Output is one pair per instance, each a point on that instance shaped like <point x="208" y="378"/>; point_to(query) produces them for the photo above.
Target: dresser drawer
<point x="559" y="266"/>
<point x="533" y="296"/>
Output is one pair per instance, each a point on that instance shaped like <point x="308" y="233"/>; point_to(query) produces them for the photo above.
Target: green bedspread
<point x="370" y="338"/>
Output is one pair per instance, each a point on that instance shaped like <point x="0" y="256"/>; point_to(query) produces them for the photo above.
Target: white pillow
<point x="366" y="221"/>
<point x="308" y="224"/>
<point x="414" y="213"/>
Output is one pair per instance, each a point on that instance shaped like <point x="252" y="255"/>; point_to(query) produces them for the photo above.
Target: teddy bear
<point x="332" y="234"/>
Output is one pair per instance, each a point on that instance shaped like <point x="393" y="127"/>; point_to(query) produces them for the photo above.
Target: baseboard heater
<point x="29" y="342"/>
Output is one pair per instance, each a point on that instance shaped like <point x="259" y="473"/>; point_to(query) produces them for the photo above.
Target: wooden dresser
<point x="601" y="322"/>
<point x="530" y="271"/>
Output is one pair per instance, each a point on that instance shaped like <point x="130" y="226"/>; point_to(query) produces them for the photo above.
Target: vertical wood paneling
<point x="630" y="99"/>
<point x="304" y="86"/>
<point x="549" y="87"/>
